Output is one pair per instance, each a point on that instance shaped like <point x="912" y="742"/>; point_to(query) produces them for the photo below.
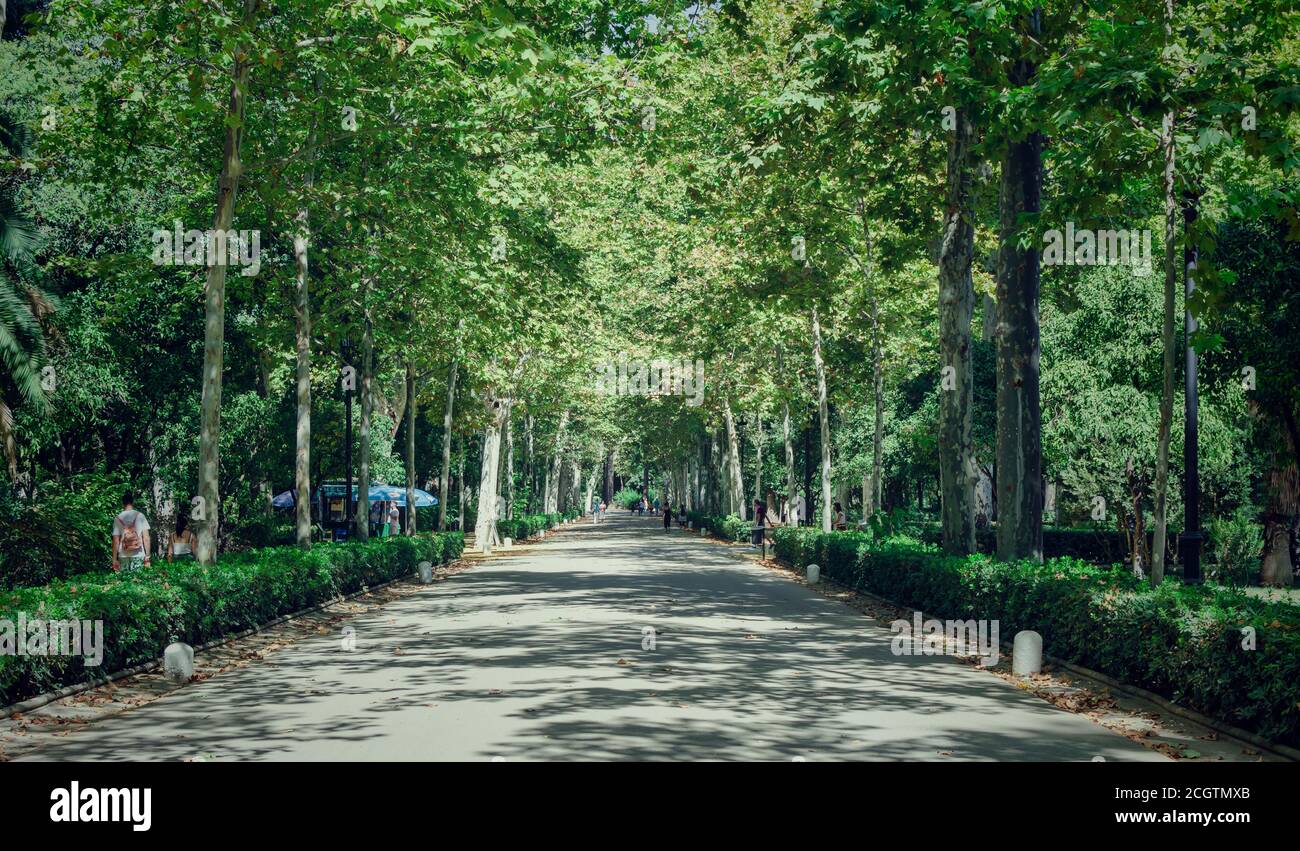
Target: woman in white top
<point x="394" y="520"/>
<point x="182" y="545"/>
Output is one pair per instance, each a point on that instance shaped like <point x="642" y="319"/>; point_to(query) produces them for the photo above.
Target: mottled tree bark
<point x="824" y="417"/>
<point x="444" y="477"/>
<point x="214" y="326"/>
<point x="1161" y="518"/>
<point x="1019" y="454"/>
<point x="361" y="522"/>
<point x="958" y="472"/>
<point x="411" y="524"/>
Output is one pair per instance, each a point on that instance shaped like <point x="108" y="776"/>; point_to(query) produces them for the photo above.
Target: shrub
<point x="144" y="611"/>
<point x="527" y="525"/>
<point x="65" y="532"/>
<point x="1235" y="544"/>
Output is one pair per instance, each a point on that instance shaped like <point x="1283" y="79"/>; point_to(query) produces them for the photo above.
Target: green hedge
<point x="144" y="611"/>
<point x="1184" y="642"/>
<point x="528" y="525"/>
<point x="729" y="528"/>
<point x="1098" y="545"/>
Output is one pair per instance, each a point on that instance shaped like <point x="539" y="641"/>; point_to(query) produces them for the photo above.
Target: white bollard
<point x="814" y="574"/>
<point x="178" y="662"/>
<point x="426" y="572"/>
<point x="507" y="543"/>
<point x="1027" y="653"/>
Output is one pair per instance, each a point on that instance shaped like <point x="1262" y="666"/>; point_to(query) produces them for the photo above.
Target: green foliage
<point x="627" y="498"/>
<point x="729" y="528"/>
<point x="65" y="532"/>
<point x="144" y="611"/>
<point x="527" y="526"/>
<point x="1185" y="642"/>
<point x="1235" y="544"/>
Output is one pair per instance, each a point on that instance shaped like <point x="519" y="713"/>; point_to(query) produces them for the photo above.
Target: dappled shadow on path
<point x="546" y="656"/>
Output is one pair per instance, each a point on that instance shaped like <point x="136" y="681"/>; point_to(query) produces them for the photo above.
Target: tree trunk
<point x="824" y="416"/>
<point x="485" y="523"/>
<point x="957" y="470"/>
<point x="1167" y="339"/>
<point x="713" y="499"/>
<point x="551" y="504"/>
<point x="411" y="524"/>
<point x="362" y="518"/>
<point x="510" y="469"/>
<point x="609" y="477"/>
<point x="735" y="481"/>
<point x="529" y="463"/>
<point x="591" y="489"/>
<point x="302" y="342"/>
<point x="214" y="330"/>
<point x="786" y="436"/>
<point x="444" y="478"/>
<point x="1276" y="569"/>
<point x="758" y="458"/>
<point x="1019" y="454"/>
<point x="460" y="490"/>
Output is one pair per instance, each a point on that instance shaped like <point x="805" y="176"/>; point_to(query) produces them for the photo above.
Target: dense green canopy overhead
<point x="731" y="252"/>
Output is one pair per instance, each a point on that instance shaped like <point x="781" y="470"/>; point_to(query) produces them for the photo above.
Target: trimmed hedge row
<point x="1188" y="643"/>
<point x="1097" y="545"/>
<point x="729" y="528"/>
<point x="144" y="611"/>
<point x="528" y="525"/>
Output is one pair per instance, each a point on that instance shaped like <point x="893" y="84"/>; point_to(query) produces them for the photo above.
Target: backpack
<point x="130" y="542"/>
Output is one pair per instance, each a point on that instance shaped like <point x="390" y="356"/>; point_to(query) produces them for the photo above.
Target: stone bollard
<point x="507" y="543"/>
<point x="814" y="574"/>
<point x="1027" y="653"/>
<point x="426" y="572"/>
<point x="178" y="662"/>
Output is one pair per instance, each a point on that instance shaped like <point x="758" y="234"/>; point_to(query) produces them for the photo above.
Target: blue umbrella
<point x="393" y="493"/>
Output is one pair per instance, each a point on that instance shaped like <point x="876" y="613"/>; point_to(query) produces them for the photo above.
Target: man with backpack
<point x="130" y="536"/>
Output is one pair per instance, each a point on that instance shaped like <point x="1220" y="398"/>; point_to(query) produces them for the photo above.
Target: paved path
<point x="538" y="656"/>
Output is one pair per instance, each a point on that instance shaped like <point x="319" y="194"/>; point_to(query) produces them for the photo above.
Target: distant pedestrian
<point x="394" y="520"/>
<point x="182" y="544"/>
<point x="668" y="517"/>
<point x="130" y="541"/>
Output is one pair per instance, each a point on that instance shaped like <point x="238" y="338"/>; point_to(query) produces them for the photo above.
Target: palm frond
<point x="19" y="235"/>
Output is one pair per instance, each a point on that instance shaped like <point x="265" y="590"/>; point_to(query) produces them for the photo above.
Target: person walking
<point x="668" y="516"/>
<point x="394" y="520"/>
<point x="130" y="541"/>
<point x="760" y="522"/>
